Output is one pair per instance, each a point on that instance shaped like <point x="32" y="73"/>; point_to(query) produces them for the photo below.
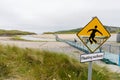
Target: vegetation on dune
<point x="16" y="37"/>
<point x="30" y="64"/>
<point x="74" y="31"/>
<point x="14" y="32"/>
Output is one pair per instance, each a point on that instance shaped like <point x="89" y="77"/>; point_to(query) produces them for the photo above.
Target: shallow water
<point x="29" y="37"/>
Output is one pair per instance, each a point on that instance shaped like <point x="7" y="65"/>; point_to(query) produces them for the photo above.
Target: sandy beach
<point x="54" y="46"/>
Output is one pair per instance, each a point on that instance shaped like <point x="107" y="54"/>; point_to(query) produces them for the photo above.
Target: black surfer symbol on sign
<point x="92" y="35"/>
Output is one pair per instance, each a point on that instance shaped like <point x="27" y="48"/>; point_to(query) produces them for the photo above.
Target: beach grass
<point x="17" y="37"/>
<point x="14" y="32"/>
<point x="32" y="64"/>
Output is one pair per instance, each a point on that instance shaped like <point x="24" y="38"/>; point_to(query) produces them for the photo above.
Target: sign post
<point x="91" y="57"/>
<point x="93" y="35"/>
<point x="90" y="70"/>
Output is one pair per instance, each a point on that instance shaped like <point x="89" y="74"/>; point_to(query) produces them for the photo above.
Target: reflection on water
<point x="29" y="37"/>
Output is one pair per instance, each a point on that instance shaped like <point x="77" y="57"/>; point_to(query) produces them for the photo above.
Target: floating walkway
<point x="109" y="58"/>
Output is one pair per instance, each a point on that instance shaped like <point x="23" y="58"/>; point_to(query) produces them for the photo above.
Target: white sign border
<point x="91" y="59"/>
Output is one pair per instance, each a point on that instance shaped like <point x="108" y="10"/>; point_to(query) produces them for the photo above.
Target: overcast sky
<point x="53" y="15"/>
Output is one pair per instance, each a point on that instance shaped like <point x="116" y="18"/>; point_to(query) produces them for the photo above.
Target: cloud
<point x="53" y="15"/>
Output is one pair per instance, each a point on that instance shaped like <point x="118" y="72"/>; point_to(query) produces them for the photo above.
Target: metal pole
<point x="90" y="71"/>
<point x="109" y="48"/>
<point x="119" y="60"/>
<point x="119" y="57"/>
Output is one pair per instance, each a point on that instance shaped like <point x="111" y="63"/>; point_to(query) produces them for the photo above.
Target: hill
<point x="64" y="31"/>
<point x="14" y="32"/>
<point x="111" y="29"/>
<point x="30" y="64"/>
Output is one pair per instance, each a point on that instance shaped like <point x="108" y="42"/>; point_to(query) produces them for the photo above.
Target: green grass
<point x="30" y="64"/>
<point x="72" y="31"/>
<point x="17" y="38"/>
<point x="14" y="32"/>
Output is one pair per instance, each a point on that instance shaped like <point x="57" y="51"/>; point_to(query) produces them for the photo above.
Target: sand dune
<point x="54" y="46"/>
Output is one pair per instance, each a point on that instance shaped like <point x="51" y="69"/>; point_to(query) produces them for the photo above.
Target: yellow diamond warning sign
<point x="93" y="35"/>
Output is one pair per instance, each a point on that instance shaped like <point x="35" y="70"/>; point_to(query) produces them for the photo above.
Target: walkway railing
<point x="112" y="53"/>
